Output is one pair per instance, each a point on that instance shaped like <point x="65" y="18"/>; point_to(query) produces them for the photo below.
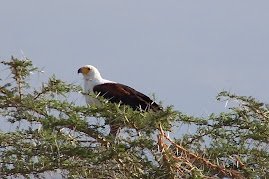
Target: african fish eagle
<point x="114" y="92"/>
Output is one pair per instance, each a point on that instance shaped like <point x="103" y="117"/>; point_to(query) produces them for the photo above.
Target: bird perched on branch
<point x="114" y="92"/>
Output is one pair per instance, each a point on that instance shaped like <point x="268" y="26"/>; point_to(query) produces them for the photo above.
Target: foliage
<point x="63" y="137"/>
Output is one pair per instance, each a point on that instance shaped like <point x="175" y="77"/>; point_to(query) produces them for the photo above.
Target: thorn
<point x="226" y="103"/>
<point x="24" y="56"/>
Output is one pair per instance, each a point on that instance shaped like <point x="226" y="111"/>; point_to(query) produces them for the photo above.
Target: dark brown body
<point x="117" y="93"/>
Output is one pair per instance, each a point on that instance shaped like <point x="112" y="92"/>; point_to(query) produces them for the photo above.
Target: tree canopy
<point x="71" y="140"/>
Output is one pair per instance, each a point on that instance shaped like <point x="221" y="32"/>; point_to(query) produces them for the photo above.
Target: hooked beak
<point x="80" y="70"/>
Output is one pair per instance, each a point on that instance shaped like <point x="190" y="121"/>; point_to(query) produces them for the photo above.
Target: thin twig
<point x="219" y="168"/>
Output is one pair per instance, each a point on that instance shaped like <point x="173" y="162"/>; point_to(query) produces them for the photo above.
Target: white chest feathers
<point x="88" y="89"/>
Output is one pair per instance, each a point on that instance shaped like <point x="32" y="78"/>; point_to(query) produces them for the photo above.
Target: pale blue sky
<point x="185" y="52"/>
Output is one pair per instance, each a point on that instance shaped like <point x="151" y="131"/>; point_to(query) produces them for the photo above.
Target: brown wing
<point x="116" y="92"/>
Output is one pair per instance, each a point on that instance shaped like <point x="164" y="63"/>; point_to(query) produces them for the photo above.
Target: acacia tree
<point x="62" y="137"/>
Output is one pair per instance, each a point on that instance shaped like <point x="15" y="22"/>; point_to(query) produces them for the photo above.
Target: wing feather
<point x="116" y="92"/>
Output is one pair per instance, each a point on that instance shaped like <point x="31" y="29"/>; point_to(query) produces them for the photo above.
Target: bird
<point x="114" y="92"/>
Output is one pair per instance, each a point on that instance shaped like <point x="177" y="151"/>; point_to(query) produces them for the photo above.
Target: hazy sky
<point x="185" y="52"/>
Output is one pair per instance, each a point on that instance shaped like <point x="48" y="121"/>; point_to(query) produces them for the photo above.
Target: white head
<point x="92" y="77"/>
<point x="91" y="73"/>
